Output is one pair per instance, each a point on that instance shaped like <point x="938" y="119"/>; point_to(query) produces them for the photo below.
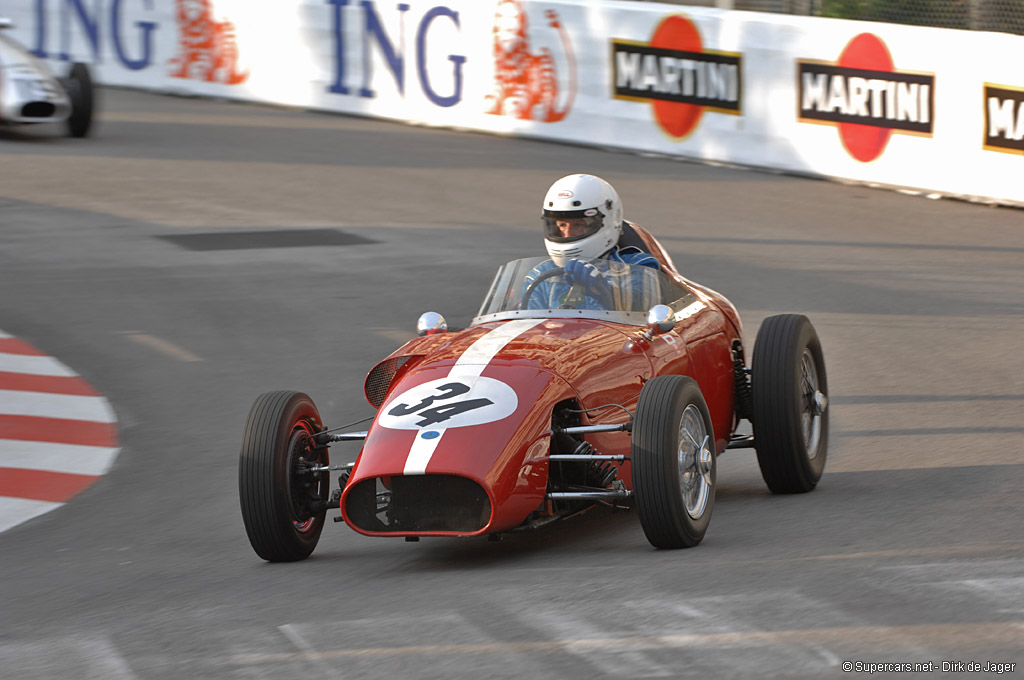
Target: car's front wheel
<point x="673" y="461"/>
<point x="790" y="404"/>
<point x="80" y="91"/>
<point x="283" y="502"/>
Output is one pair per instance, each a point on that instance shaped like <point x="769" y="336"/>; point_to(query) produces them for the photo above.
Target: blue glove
<point x="585" y="274"/>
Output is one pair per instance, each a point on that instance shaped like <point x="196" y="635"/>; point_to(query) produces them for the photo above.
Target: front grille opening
<point x="378" y="382"/>
<point x="418" y="503"/>
<point x="38" y="110"/>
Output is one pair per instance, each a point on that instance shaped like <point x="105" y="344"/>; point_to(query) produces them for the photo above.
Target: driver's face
<point x="573" y="226"/>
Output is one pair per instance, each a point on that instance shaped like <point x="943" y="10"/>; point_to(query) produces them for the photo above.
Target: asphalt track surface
<point x="910" y="550"/>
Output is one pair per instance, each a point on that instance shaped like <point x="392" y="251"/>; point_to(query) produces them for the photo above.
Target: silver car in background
<point x="30" y="93"/>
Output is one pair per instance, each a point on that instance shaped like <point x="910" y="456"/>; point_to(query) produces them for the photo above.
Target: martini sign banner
<point x="933" y="110"/>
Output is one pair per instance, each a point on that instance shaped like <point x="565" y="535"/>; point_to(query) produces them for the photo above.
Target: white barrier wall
<point x="931" y="109"/>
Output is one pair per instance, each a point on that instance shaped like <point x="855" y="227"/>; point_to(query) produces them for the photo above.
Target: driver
<point x="582" y="217"/>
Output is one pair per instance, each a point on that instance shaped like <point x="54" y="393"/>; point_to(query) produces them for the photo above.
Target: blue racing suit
<point x="556" y="292"/>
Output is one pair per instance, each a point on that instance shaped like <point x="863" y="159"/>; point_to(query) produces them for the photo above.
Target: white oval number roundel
<point x="449" y="402"/>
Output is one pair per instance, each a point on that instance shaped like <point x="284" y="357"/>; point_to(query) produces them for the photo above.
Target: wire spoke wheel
<point x="283" y="501"/>
<point x="305" y="487"/>
<point x="694" y="463"/>
<point x="813" y="404"/>
<point x="790" y="411"/>
<point x="673" y="462"/>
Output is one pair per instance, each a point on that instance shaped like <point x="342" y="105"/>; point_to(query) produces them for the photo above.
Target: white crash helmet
<point x="592" y="207"/>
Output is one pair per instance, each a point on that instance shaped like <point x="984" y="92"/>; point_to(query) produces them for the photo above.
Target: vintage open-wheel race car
<point x="532" y="414"/>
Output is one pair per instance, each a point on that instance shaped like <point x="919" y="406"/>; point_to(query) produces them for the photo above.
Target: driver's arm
<point x="540" y="298"/>
<point x="557" y="292"/>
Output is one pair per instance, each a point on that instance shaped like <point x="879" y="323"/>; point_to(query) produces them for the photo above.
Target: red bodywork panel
<point x="456" y="408"/>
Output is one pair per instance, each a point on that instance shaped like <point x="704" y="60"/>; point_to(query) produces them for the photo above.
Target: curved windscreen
<point x="536" y="288"/>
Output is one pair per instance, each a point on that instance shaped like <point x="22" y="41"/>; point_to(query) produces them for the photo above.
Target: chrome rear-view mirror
<point x="430" y="323"/>
<point x="660" y="319"/>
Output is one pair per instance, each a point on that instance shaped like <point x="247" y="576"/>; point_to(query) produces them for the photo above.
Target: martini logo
<point x="1004" y="118"/>
<point x="865" y="97"/>
<point x="677" y="76"/>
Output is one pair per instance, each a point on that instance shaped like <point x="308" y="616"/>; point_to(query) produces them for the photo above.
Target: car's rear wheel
<point x="790" y="404"/>
<point x="673" y="461"/>
<point x="80" y="91"/>
<point x="283" y="502"/>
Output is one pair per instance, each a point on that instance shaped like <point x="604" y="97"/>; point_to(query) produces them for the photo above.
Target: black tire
<point x="790" y="404"/>
<point x="80" y="91"/>
<point x="283" y="508"/>
<point x="658" y="482"/>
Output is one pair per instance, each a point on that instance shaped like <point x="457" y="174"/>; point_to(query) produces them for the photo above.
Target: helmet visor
<point x="566" y="226"/>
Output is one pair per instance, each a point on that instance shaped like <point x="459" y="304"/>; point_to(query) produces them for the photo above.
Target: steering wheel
<point x="544" y="276"/>
<point x="601" y="294"/>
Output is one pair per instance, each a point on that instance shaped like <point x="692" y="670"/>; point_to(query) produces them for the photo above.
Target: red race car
<point x="624" y="395"/>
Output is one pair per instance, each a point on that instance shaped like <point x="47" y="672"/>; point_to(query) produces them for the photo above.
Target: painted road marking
<point x="14" y="511"/>
<point x="33" y="365"/>
<point x="11" y="345"/>
<point x="997" y="549"/>
<point x="162" y="346"/>
<point x="42" y="485"/>
<point x="61" y="431"/>
<point x="83" y="657"/>
<point x="565" y="625"/>
<point x="69" y="458"/>
<point x="46" y="405"/>
<point x="293" y="635"/>
<point x="47" y="383"/>
<point x="944" y="635"/>
<point x="57" y="434"/>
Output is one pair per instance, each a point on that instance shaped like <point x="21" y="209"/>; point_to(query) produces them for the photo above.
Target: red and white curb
<point x="57" y="434"/>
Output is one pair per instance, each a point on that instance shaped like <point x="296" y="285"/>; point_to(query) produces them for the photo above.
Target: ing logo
<point x="207" y="49"/>
<point x="526" y="83"/>
<point x="865" y="97"/>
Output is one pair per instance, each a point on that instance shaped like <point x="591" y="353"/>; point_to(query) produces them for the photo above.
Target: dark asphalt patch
<point x="281" y="238"/>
